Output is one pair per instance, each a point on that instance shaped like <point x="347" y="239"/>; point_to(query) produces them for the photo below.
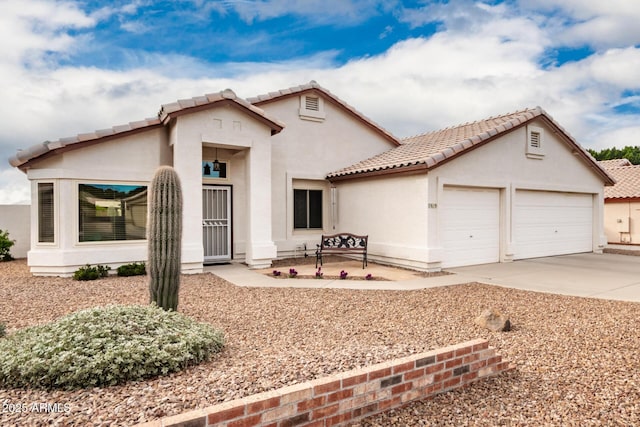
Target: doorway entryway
<point x="216" y="223"/>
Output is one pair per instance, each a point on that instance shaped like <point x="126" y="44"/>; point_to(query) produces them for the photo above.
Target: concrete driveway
<point x="606" y="276"/>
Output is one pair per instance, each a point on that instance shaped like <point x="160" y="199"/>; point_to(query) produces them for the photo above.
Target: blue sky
<point x="68" y="67"/>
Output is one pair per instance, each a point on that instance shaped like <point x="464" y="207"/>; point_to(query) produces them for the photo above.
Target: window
<point x="46" y="228"/>
<point x="208" y="170"/>
<point x="307" y="209"/>
<point x="535" y="142"/>
<point x="112" y="212"/>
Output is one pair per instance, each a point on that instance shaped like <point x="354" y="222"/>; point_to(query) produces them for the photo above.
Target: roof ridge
<point x="525" y="110"/>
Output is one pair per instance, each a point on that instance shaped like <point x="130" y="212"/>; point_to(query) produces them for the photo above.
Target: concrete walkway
<point x="605" y="276"/>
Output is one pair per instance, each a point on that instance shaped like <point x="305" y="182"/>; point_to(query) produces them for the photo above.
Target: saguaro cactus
<point x="164" y="236"/>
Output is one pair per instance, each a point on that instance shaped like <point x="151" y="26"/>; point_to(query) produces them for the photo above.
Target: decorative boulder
<point x="494" y="321"/>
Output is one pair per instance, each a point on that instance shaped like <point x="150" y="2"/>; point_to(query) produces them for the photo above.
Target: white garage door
<point x="470" y="226"/>
<point x="552" y="223"/>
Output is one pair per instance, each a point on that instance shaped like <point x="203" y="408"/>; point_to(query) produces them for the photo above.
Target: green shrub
<point x="89" y="272"/>
<point x="5" y="246"/>
<point x="133" y="269"/>
<point x="3" y="329"/>
<point x="105" y="346"/>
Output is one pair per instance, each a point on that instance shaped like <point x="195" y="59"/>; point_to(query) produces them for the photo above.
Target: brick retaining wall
<point x="346" y="397"/>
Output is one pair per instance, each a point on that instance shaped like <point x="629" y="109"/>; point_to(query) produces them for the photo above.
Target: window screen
<point x="307" y="208"/>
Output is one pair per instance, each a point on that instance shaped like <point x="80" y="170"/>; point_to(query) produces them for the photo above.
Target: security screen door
<point x="216" y="223"/>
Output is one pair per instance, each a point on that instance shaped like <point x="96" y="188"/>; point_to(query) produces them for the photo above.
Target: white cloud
<point x="600" y="24"/>
<point x="459" y="74"/>
<point x="320" y="12"/>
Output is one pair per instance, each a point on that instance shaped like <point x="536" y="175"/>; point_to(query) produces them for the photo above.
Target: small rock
<point x="494" y="321"/>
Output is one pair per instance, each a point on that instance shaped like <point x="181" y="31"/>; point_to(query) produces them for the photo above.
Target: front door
<point x="216" y="223"/>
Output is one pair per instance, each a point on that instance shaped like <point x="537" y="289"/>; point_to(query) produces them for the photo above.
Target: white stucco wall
<point x="305" y="152"/>
<point x="392" y="211"/>
<point x="15" y="220"/>
<point x="622" y="222"/>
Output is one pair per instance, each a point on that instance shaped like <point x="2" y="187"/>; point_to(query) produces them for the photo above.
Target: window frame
<point x="77" y="210"/>
<point x="308" y="202"/>
<point x="54" y="216"/>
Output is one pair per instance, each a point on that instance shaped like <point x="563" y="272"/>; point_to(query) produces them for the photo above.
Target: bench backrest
<point x="344" y="241"/>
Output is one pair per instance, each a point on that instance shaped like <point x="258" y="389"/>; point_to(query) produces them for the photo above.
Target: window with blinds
<point x="112" y="212"/>
<point x="46" y="219"/>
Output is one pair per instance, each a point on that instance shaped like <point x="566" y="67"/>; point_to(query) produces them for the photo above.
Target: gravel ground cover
<point x="577" y="359"/>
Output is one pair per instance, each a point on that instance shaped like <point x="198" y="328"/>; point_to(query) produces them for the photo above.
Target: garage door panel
<point x="552" y="223"/>
<point x="470" y="226"/>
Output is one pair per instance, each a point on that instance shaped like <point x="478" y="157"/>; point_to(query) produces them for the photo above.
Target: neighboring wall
<point x="344" y="398"/>
<point x="622" y="222"/>
<point x="15" y="220"/>
<point x="392" y="211"/>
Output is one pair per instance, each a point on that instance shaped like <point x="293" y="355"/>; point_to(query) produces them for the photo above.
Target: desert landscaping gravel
<point x="577" y="360"/>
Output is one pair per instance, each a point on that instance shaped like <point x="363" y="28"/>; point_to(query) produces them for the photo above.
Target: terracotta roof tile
<point x="432" y="148"/>
<point x="627" y="178"/>
<point x="614" y="163"/>
<point x="166" y="110"/>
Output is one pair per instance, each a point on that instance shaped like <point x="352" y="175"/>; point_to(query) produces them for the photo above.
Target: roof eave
<point x="72" y="145"/>
<point x="275" y="125"/>
<point x="409" y="169"/>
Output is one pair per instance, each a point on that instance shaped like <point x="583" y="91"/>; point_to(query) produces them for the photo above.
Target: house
<point x="622" y="202"/>
<point x="267" y="176"/>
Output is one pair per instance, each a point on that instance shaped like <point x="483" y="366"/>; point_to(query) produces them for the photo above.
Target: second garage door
<point x="470" y="226"/>
<point x="552" y="223"/>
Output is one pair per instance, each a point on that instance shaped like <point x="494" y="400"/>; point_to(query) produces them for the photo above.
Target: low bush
<point x="89" y="272"/>
<point x="5" y="246"/>
<point x="105" y="346"/>
<point x="133" y="269"/>
<point x="3" y="329"/>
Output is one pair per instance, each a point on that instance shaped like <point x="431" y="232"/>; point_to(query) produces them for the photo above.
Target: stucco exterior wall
<point x="503" y="164"/>
<point x="15" y="220"/>
<point x="622" y="222"/>
<point x="393" y="211"/>
<point x="306" y="151"/>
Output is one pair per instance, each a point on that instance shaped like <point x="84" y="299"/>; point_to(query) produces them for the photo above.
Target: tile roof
<point x="313" y="86"/>
<point x="184" y="106"/>
<point x="167" y="111"/>
<point x="71" y="142"/>
<point x="627" y="178"/>
<point x="614" y="163"/>
<point x="431" y="149"/>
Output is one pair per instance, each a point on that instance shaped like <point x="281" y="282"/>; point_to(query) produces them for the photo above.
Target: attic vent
<point x="535" y="140"/>
<point x="312" y="108"/>
<point x="312" y="103"/>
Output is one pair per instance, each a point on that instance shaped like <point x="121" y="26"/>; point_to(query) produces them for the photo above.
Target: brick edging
<point x="346" y="397"/>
